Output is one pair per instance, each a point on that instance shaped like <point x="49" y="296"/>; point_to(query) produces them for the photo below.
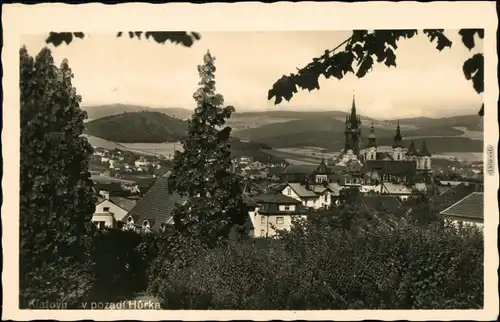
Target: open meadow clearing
<point x="164" y="149"/>
<point x="238" y="122"/>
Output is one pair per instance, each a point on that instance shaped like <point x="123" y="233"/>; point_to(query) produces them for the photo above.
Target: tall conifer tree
<point x="202" y="172"/>
<point x="56" y="199"/>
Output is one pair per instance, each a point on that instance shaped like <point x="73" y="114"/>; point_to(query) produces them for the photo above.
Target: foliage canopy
<point x="365" y="48"/>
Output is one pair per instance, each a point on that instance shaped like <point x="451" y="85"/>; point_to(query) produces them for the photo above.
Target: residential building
<point x="468" y="211"/>
<point x="274" y="212"/>
<point x="315" y="196"/>
<point x="111" y="210"/>
<point x="155" y="208"/>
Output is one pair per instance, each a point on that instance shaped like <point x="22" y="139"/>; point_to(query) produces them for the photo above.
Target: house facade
<point x="111" y="211"/>
<point x="274" y="212"/>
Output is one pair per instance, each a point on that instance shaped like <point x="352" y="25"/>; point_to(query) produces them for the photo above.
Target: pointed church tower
<point x="412" y="152"/>
<point x="372" y="139"/>
<point x="424" y="152"/>
<point x="322" y="172"/>
<point x="353" y="130"/>
<point x="424" y="157"/>
<point x="371" y="149"/>
<point x="397" y="146"/>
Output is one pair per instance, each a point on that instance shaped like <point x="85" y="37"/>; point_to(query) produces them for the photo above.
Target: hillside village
<point x="132" y="192"/>
<point x="314" y="209"/>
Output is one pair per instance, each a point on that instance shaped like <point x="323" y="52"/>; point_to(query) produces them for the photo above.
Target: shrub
<point x="381" y="262"/>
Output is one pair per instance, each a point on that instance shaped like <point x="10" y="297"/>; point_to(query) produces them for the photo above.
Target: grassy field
<point x="295" y="158"/>
<point x="237" y="122"/>
<point x="462" y="156"/>
<point x="164" y="149"/>
<point x="105" y="179"/>
<point x="139" y="148"/>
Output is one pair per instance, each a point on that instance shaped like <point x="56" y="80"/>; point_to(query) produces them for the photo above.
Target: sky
<point x="110" y="70"/>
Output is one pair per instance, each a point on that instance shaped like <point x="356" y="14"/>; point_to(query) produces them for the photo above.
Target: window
<point x="288" y="191"/>
<point x="262" y="219"/>
<point x="105" y="209"/>
<point x="145" y="224"/>
<point x="399" y="156"/>
<point x="262" y="232"/>
<point x="100" y="224"/>
<point x="426" y="164"/>
<point x="287" y="208"/>
<point x="280" y="220"/>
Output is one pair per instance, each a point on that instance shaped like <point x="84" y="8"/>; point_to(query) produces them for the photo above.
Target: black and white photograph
<point x="291" y="170"/>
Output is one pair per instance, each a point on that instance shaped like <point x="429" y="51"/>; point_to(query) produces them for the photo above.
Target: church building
<point x="399" y="165"/>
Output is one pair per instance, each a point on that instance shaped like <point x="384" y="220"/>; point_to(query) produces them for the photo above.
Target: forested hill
<point x="145" y="126"/>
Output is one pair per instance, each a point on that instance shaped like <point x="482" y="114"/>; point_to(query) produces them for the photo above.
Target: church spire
<point x="424" y="152"/>
<point x="372" y="139"/>
<point x="354" y="119"/>
<point x="398" y="138"/>
<point x="411" y="150"/>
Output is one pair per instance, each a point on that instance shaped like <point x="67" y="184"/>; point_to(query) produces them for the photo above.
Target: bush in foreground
<point x="379" y="264"/>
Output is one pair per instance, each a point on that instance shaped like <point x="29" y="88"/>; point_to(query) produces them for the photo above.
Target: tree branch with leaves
<point x="365" y="48"/>
<point x="184" y="38"/>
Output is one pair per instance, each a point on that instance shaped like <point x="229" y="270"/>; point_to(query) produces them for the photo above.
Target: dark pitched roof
<point x="248" y="201"/>
<point x="389" y="203"/>
<point x="108" y="186"/>
<point x="392" y="167"/>
<point x="273" y="209"/>
<point x="353" y="166"/>
<point x="275" y="198"/>
<point x="322" y="168"/>
<point x="302" y="190"/>
<point x="423" y="150"/>
<point x="252" y="188"/>
<point x="124" y="203"/>
<point x="157" y="205"/>
<point x="411" y="150"/>
<point x="383" y="155"/>
<point x="471" y="207"/>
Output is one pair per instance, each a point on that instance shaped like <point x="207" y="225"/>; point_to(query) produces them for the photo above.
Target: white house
<point x="468" y="210"/>
<point x="313" y="196"/>
<point x="274" y="212"/>
<point x="109" y="211"/>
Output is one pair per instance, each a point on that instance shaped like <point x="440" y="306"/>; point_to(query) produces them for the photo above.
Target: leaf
<point x="365" y="67"/>
<point x="284" y="88"/>
<point x="442" y="40"/>
<point x="390" y="59"/>
<point x="57" y="38"/>
<point x="468" y="36"/>
<point x="473" y="69"/>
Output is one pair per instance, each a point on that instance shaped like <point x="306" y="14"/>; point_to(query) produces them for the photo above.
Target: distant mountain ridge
<point x="281" y="128"/>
